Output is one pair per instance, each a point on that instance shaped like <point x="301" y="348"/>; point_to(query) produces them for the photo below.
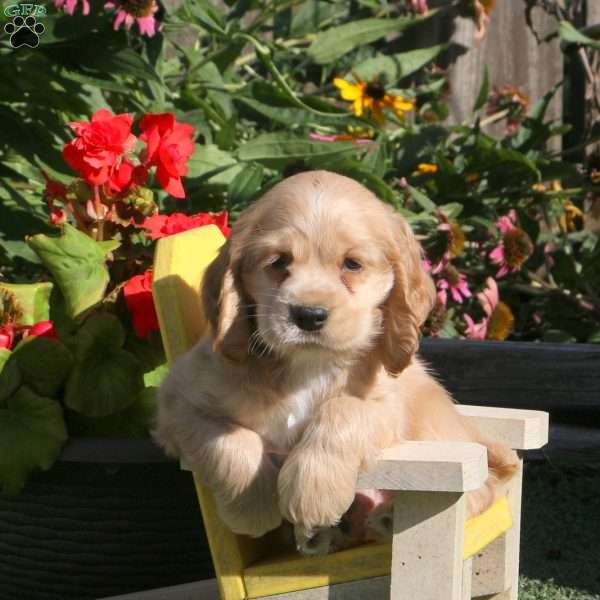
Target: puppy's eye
<point x="281" y="262"/>
<point x="352" y="265"/>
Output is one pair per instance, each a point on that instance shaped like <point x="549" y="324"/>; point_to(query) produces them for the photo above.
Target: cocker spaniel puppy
<point x="309" y="368"/>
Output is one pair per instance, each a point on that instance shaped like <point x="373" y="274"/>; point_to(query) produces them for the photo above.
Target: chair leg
<point x="496" y="569"/>
<point x="427" y="549"/>
<point x="467" y="578"/>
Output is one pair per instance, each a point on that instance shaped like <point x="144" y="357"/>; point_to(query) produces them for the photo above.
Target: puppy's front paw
<point x="315" y="490"/>
<point x="255" y="511"/>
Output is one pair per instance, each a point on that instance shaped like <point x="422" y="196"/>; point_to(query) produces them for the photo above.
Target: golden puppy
<point x="309" y="368"/>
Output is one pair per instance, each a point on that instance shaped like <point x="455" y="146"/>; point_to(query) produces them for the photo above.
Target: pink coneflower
<point x="418" y="6"/>
<point x="136" y="11"/>
<point x="499" y="320"/>
<point x="69" y="6"/>
<point x="454" y="282"/>
<point x="515" y="247"/>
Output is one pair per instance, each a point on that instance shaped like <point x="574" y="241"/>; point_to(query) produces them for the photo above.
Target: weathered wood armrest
<point x="428" y="467"/>
<point x="519" y="429"/>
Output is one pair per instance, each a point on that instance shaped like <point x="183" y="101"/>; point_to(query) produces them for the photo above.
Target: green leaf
<point x="44" y="364"/>
<point x="134" y="421"/>
<point x="77" y="263"/>
<point x="245" y="184"/>
<point x="33" y="300"/>
<point x="108" y="246"/>
<point x="422" y="199"/>
<point x="106" y="379"/>
<point x="117" y="61"/>
<point x="484" y="91"/>
<point x="4" y="355"/>
<point x="32" y="433"/>
<point x="335" y="42"/>
<point x="570" y="35"/>
<point x="155" y="377"/>
<point x="10" y="376"/>
<point x="213" y="164"/>
<point x="396" y="66"/>
<point x="277" y="149"/>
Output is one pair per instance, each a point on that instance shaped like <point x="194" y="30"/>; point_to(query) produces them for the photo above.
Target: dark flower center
<point x="375" y="90"/>
<point x="517" y="247"/>
<point x="501" y="323"/>
<point x="137" y="8"/>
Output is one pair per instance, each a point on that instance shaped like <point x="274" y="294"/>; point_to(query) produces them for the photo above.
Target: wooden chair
<point x="434" y="555"/>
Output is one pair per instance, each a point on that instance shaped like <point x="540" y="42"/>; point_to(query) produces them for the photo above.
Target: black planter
<point x="111" y="516"/>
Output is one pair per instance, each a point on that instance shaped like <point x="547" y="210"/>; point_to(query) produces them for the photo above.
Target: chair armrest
<point x="519" y="429"/>
<point x="428" y="467"/>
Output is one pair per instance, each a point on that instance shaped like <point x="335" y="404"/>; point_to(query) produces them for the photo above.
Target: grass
<point x="560" y="546"/>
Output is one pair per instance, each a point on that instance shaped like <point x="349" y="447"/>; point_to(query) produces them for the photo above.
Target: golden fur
<point x="278" y="421"/>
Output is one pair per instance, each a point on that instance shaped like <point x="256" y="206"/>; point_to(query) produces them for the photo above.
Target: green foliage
<point x="32" y="432"/>
<point x="256" y="80"/>
<point x="106" y="379"/>
<point x="77" y="263"/>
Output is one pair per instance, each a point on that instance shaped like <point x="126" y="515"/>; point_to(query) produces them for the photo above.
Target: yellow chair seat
<point x="292" y="572"/>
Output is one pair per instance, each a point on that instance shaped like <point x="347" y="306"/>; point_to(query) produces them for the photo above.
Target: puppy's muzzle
<point x="309" y="318"/>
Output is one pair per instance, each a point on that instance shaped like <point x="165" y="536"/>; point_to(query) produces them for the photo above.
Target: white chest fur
<point x="288" y="419"/>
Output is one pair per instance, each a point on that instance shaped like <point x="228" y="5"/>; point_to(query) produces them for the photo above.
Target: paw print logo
<point x="24" y="32"/>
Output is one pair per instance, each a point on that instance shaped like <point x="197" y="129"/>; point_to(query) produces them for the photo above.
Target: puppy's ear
<point x="409" y="302"/>
<point x="222" y="305"/>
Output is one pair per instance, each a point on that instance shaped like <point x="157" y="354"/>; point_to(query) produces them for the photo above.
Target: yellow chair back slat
<point x="179" y="265"/>
<point x="242" y="565"/>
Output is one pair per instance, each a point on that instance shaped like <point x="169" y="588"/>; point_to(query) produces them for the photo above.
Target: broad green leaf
<point x="396" y="66"/>
<point x="422" y="199"/>
<point x="277" y="149"/>
<point x="245" y="184"/>
<point x="134" y="421"/>
<point x="206" y="15"/>
<point x="10" y="376"/>
<point x="213" y="165"/>
<point x="32" y="433"/>
<point x="484" y="91"/>
<point x="121" y="61"/>
<point x="570" y="35"/>
<point x="105" y="379"/>
<point x="33" y="300"/>
<point x="44" y="364"/>
<point x="77" y="263"/>
<point x="335" y="42"/>
<point x="310" y="15"/>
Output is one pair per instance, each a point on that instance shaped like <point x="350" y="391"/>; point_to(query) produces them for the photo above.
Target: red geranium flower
<point x="126" y="175"/>
<point x="41" y="329"/>
<point x="10" y="331"/>
<point x="7" y="336"/>
<point x="99" y="145"/>
<point x="138" y="297"/>
<point x="169" y="147"/>
<point x="160" y="226"/>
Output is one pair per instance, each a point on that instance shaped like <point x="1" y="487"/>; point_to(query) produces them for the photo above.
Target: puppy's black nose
<point x="309" y="318"/>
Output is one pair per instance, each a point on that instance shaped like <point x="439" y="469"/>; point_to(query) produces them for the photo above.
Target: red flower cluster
<point x="160" y="226"/>
<point x="138" y="290"/>
<point x="169" y="147"/>
<point x="98" y="152"/>
<point x="9" y="331"/>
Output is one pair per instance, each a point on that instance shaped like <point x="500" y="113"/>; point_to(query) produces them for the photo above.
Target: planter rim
<point x="113" y="450"/>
